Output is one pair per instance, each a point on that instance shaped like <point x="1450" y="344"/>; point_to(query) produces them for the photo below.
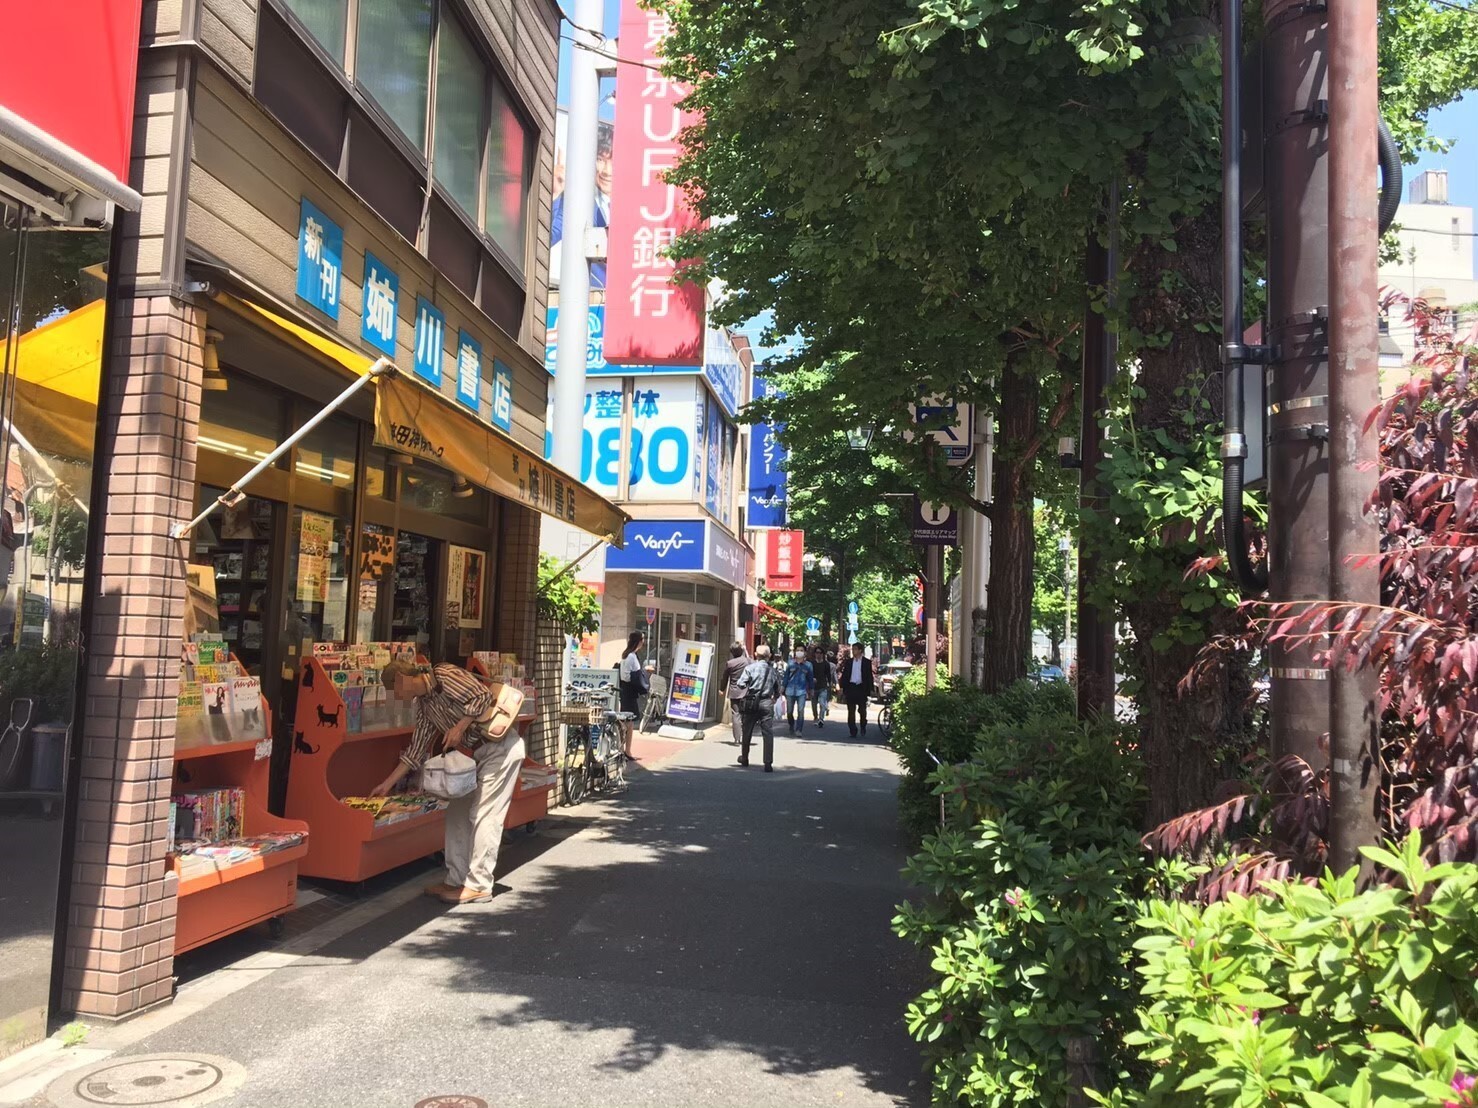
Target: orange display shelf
<point x="222" y="901"/>
<point x="329" y="762"/>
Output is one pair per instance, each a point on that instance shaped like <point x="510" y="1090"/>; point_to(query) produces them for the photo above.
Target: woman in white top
<point x="631" y="680"/>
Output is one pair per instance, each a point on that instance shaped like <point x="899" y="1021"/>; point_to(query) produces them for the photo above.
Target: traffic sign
<point x="956" y="438"/>
<point x="935" y="524"/>
<point x="851" y="621"/>
<point x="852" y="607"/>
<point x="851" y="639"/>
<point x="651" y="616"/>
<point x="813" y="625"/>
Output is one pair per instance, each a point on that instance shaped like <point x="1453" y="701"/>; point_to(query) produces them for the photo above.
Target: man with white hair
<point x="759" y="683"/>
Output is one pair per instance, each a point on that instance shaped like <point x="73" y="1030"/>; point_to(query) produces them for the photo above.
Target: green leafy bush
<point x="46" y="674"/>
<point x="564" y="600"/>
<point x="1315" y="995"/>
<point x="947" y="722"/>
<point x="1033" y="892"/>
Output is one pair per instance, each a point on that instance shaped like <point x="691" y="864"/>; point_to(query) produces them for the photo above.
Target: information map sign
<point x="687" y="694"/>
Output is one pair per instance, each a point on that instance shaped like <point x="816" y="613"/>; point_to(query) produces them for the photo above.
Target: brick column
<point x="120" y="933"/>
<point x="518" y="580"/>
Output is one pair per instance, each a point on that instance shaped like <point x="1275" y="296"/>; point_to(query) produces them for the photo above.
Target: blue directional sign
<point x="852" y="607"/>
<point x="813" y="625"/>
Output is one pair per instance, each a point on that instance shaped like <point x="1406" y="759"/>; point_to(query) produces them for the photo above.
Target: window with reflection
<point x="431" y="489"/>
<point x="461" y="78"/>
<point x="327" y="21"/>
<point x="510" y="168"/>
<point x="246" y="419"/>
<point x="392" y="60"/>
<point x="329" y="451"/>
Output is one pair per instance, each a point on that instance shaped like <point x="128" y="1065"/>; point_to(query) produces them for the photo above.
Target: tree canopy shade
<point x="909" y="186"/>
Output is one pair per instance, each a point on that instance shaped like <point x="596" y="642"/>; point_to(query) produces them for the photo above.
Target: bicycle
<point x="11" y="745"/>
<point x="595" y="757"/>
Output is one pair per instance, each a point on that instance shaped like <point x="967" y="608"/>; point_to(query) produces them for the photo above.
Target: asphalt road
<point x="716" y="936"/>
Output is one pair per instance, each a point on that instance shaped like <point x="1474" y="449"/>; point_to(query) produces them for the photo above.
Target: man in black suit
<point x="856" y="683"/>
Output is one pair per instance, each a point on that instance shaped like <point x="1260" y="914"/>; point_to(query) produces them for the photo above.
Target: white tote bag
<point x="449" y="776"/>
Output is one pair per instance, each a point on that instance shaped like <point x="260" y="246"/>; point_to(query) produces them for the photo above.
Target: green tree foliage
<point x="1049" y="581"/>
<point x="59" y="520"/>
<point x="563" y="599"/>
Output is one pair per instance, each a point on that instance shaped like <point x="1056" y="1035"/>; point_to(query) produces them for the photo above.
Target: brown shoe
<point x="465" y="895"/>
<point x="441" y="889"/>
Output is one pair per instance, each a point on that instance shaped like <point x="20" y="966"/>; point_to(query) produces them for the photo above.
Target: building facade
<point x="324" y="186"/>
<point x="1435" y="260"/>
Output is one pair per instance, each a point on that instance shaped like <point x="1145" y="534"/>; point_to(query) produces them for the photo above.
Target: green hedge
<point x="1033" y="893"/>
<point x="948" y="721"/>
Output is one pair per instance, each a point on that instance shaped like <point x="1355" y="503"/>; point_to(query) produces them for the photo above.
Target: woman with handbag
<point x="456" y="712"/>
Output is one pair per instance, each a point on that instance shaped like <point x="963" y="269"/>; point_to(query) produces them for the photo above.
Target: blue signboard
<point x="727" y="558"/>
<point x="722" y="369"/>
<point x="381" y="312"/>
<point x="469" y="369"/>
<point x="657" y="546"/>
<point x="320" y="259"/>
<point x="713" y="441"/>
<point x="767" y="464"/>
<point x="430" y="337"/>
<point x="502" y="396"/>
<point x="813" y="624"/>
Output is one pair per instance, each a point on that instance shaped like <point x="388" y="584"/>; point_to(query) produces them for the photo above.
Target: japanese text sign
<point x="378" y="320"/>
<point x="320" y="259"/>
<point x="783" y="572"/>
<point x="649" y="320"/>
<point x="767" y="462"/>
<point x="469" y="369"/>
<point x="502" y="396"/>
<point x="430" y="335"/>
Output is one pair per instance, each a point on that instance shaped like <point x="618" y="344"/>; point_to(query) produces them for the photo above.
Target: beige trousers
<point x="474" y="823"/>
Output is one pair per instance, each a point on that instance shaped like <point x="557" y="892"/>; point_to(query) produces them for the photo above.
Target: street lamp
<point x="825" y="565"/>
<point x="860" y="438"/>
<point x="1064" y="547"/>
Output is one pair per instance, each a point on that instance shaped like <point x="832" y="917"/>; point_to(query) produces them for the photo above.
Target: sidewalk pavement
<point x="714" y="936"/>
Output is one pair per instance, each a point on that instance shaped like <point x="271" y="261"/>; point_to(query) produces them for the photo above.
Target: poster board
<point x="687" y="695"/>
<point x="466" y="569"/>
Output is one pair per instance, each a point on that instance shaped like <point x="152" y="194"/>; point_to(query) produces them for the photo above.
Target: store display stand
<point x="329" y="762"/>
<point x="535" y="781"/>
<point x="261" y="889"/>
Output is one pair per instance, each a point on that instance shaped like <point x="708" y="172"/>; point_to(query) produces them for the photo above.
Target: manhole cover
<point x="170" y="1079"/>
<point x="453" y="1101"/>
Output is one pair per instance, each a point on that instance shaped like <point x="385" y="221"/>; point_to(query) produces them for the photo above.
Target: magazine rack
<point x="229" y="898"/>
<point x="535" y="781"/>
<point x="330" y="761"/>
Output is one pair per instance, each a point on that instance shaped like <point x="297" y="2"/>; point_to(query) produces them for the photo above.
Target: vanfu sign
<point x="680" y="546"/>
<point x="767" y="462"/>
<point x="650" y="320"/>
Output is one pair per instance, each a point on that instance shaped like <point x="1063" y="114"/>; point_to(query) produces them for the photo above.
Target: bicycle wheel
<point x="885" y="721"/>
<point x="574" y="782"/>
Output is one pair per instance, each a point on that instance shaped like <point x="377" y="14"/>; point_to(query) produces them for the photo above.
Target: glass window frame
<point x="497" y="82"/>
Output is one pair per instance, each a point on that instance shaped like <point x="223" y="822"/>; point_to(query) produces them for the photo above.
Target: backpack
<point x="752" y="699"/>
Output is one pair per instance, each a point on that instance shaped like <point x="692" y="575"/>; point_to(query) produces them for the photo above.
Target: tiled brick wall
<point x="518" y="580"/>
<point x="119" y="955"/>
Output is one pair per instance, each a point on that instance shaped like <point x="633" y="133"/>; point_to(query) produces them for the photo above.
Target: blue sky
<point x="1458" y="122"/>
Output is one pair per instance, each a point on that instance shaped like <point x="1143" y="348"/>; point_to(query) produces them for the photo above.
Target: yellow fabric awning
<point x="424" y="424"/>
<point x="57" y="368"/>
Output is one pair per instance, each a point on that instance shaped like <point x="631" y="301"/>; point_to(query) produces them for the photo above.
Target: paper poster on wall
<point x="688" y="691"/>
<point x="465" y="572"/>
<point x="314" y="535"/>
<point x="376" y="552"/>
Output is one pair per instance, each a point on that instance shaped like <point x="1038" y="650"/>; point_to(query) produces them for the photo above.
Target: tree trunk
<point x="1013" y="537"/>
<point x="1054" y="656"/>
<point x="1185" y="737"/>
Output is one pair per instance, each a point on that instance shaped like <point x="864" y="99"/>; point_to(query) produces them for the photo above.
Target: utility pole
<point x="975" y="559"/>
<point x="1295" y="128"/>
<point x="568" y="424"/>
<point x="933" y="571"/>
<point x="1354" y="392"/>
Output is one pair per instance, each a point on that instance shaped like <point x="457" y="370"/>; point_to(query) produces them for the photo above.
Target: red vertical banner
<point x="783" y="573"/>
<point x="649" y="320"/>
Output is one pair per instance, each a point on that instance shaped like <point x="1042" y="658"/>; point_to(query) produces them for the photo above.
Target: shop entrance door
<point x="659" y="647"/>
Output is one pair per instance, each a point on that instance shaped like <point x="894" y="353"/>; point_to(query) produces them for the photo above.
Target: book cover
<point x="216" y="695"/>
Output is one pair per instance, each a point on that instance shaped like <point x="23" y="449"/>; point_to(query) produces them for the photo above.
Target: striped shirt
<point x="455" y="694"/>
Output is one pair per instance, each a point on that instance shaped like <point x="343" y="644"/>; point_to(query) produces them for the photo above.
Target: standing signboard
<point x="784" y="571"/>
<point x="688" y="692"/>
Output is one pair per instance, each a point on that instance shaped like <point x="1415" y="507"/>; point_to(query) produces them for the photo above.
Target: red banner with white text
<point x="649" y="320"/>
<point x="783" y="569"/>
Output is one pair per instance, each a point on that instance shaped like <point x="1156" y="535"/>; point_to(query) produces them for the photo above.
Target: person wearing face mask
<point x="800" y="679"/>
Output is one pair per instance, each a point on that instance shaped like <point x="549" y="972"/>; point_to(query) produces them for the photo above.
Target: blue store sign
<point x="430" y="337"/>
<point x="502" y="396"/>
<point x="381" y="312"/>
<point x="767" y="464"/>
<point x="320" y="258"/>
<point x="469" y="369"/>
<point x="657" y="546"/>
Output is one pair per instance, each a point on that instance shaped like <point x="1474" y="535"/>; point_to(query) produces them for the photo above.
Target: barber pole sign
<point x="649" y="319"/>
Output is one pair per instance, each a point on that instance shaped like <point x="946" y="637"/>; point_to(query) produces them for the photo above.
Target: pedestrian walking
<point x="821" y="691"/>
<point x="800" y="679"/>
<point x="633" y="682"/>
<point x="455" y="710"/>
<point x="728" y="684"/>
<point x="856" y="683"/>
<point x="760" y="683"/>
